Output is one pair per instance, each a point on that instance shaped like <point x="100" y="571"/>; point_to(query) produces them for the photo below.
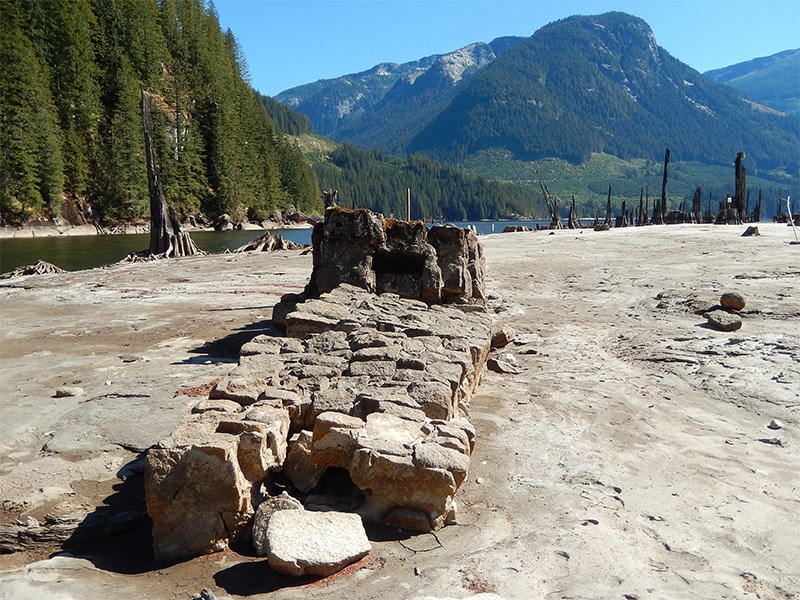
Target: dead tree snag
<point x="167" y="239"/>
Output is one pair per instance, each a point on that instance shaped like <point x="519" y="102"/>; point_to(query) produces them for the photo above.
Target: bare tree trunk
<point x="741" y="186"/>
<point x="757" y="209"/>
<point x="166" y="236"/>
<point x="660" y="209"/>
<point x="552" y="203"/>
<point x="573" y="219"/>
<point x="697" y="206"/>
<point x="608" y="208"/>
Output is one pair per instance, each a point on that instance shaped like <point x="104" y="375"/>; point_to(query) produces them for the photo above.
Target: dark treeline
<point x="70" y="111"/>
<point x="378" y="181"/>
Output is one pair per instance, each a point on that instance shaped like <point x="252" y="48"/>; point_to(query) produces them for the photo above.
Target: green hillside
<point x="378" y="181"/>
<point x="70" y="114"/>
<point x="589" y="180"/>
<point x="772" y="80"/>
<point x="600" y="84"/>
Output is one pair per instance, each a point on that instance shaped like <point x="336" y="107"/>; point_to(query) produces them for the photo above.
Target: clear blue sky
<point x="291" y="42"/>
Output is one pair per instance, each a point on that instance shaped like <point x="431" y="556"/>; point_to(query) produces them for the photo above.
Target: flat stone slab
<point x="315" y="543"/>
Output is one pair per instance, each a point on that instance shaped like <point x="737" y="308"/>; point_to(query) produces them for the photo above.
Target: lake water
<point x="73" y="253"/>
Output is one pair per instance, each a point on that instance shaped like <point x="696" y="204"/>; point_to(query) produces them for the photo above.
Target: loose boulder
<point x="732" y="301"/>
<point x="303" y="542"/>
<point x="263" y="515"/>
<point x="723" y="320"/>
<point x="200" y="482"/>
<point x="502" y="336"/>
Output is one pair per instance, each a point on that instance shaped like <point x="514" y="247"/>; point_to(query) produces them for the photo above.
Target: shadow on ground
<point x="228" y="347"/>
<point x="116" y="535"/>
<point x="256" y="577"/>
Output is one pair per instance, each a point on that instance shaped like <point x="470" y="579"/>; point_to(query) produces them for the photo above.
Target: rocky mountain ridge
<point x="335" y="103"/>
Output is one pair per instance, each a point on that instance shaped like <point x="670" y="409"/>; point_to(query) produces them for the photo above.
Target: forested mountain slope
<point x="375" y="180"/>
<point x="384" y="106"/>
<point x="70" y="114"/>
<point x="601" y="84"/>
<point x="772" y="80"/>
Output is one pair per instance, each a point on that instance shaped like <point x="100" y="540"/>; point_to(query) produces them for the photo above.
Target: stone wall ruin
<point x="436" y="265"/>
<point x="366" y="385"/>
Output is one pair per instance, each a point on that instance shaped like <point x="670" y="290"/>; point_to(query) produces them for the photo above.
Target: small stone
<point x="775" y="424"/>
<point x="751" y="231"/>
<point x="723" y="321"/>
<point x="505" y="363"/>
<point x="68" y="391"/>
<point x="502" y="337"/>
<point x="129" y="358"/>
<point x="732" y="301"/>
<point x="479" y="480"/>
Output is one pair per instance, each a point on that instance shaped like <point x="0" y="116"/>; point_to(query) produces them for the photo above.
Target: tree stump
<point x="167" y="238"/>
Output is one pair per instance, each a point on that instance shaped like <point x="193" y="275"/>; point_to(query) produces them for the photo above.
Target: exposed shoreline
<point x="631" y="455"/>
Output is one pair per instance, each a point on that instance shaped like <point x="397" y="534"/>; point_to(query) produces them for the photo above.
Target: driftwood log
<point x="80" y="528"/>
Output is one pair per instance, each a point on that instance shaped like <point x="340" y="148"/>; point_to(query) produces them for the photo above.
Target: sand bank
<point x="631" y="456"/>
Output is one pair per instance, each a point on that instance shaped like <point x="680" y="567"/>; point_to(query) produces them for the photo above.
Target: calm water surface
<point x="74" y="253"/>
<point x="89" y="251"/>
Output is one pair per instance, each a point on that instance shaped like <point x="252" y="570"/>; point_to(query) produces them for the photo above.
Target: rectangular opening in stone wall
<point x="398" y="273"/>
<point x="397" y="263"/>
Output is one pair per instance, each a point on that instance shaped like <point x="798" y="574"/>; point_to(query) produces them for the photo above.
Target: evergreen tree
<point x="61" y="31"/>
<point x="215" y="143"/>
<point x="31" y="164"/>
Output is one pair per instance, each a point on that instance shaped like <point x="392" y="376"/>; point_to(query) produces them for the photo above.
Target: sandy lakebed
<point x="631" y="457"/>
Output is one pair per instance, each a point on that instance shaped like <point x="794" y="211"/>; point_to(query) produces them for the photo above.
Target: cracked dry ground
<point x="629" y="459"/>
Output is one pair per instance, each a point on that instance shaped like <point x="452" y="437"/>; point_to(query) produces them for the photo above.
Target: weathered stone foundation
<point x="377" y="386"/>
